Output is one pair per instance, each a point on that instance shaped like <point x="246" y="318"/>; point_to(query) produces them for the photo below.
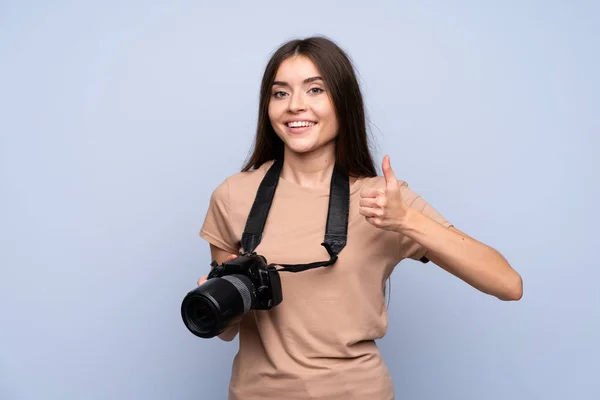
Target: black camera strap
<point x="336" y="230"/>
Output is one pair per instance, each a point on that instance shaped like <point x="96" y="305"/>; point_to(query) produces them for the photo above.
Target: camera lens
<point x="208" y="309"/>
<point x="201" y="316"/>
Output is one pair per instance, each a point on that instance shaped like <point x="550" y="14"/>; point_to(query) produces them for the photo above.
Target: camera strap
<point x="336" y="230"/>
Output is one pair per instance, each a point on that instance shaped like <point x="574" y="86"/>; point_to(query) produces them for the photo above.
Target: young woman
<point x="319" y="343"/>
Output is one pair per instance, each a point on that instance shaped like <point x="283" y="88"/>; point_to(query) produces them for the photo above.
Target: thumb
<point x="390" y="178"/>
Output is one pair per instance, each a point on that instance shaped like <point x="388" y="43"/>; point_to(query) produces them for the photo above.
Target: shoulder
<point x="240" y="183"/>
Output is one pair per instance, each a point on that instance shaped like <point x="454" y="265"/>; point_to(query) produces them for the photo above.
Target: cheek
<point x="325" y="111"/>
<point x="326" y="115"/>
<point x="274" y="117"/>
<point x="276" y="108"/>
<point x="271" y="112"/>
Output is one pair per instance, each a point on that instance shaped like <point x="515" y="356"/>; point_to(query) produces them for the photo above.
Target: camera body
<point x="265" y="279"/>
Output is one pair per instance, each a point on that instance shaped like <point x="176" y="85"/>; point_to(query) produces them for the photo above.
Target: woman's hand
<point x="384" y="208"/>
<point x="205" y="277"/>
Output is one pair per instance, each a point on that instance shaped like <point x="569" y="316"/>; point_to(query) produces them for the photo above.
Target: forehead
<point x="296" y="69"/>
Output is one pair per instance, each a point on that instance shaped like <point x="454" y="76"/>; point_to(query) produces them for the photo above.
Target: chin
<point x="301" y="146"/>
<point x="301" y="150"/>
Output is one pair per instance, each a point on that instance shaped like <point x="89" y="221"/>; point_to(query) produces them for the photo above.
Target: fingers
<point x="202" y="280"/>
<point x="371" y="192"/>
<point x="371" y="202"/>
<point x="231" y="257"/>
<point x="370" y="211"/>
<point x="205" y="278"/>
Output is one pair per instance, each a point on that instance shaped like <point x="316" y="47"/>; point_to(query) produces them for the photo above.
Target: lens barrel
<point x="207" y="310"/>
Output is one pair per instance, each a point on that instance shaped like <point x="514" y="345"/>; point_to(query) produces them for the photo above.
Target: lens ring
<point x="201" y="315"/>
<point x="208" y="309"/>
<point x="203" y="318"/>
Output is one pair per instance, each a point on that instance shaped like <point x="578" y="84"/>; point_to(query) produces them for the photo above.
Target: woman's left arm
<point x="474" y="262"/>
<point x="477" y="264"/>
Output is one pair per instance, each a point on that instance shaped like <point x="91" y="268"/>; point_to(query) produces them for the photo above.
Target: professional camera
<point x="248" y="282"/>
<point x="232" y="289"/>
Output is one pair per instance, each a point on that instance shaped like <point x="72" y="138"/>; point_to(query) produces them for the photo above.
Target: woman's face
<point x="300" y="108"/>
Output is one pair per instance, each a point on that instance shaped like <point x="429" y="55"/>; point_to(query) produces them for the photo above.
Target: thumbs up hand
<point x="384" y="207"/>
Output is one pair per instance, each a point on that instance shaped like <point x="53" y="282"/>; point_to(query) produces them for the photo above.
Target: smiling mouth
<point x="300" y="124"/>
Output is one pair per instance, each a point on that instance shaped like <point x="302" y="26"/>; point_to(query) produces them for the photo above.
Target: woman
<point x="319" y="343"/>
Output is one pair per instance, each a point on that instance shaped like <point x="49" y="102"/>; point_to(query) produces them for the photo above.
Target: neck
<point x="311" y="169"/>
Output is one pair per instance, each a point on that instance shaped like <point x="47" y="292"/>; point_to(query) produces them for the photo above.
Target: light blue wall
<point x="117" y="119"/>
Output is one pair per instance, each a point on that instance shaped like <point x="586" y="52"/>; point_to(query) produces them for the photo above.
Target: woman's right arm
<point x="221" y="256"/>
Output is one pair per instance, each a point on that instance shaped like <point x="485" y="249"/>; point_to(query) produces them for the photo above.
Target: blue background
<point x="118" y="119"/>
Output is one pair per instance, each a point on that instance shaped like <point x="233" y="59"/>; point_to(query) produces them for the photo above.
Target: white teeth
<point x="299" y="124"/>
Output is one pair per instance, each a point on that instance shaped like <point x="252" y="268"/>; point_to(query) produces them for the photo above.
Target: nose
<point x="297" y="102"/>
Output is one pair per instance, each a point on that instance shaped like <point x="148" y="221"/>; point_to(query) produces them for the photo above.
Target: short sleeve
<point x="217" y="226"/>
<point x="410" y="248"/>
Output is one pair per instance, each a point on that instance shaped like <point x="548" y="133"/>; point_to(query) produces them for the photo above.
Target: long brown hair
<point x="352" y="144"/>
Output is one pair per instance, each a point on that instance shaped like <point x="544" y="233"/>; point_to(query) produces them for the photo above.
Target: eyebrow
<point x="307" y="80"/>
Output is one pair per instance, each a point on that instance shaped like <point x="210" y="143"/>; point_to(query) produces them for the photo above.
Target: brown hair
<point x="352" y="145"/>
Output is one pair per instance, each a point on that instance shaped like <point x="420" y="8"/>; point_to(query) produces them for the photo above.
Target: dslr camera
<point x="231" y="290"/>
<point x="248" y="282"/>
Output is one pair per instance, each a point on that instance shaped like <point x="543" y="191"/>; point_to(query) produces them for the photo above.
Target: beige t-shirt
<point x="319" y="343"/>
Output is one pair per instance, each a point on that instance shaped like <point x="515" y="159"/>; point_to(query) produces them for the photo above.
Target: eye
<point x="279" y="94"/>
<point x="316" y="90"/>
